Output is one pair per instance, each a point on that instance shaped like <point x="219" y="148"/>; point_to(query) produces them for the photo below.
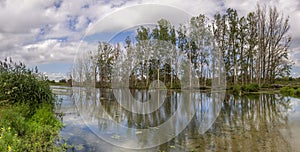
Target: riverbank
<point x="254" y="88"/>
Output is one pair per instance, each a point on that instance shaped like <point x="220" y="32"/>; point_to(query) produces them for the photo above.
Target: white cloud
<point x="138" y="15"/>
<point x="22" y="16"/>
<point x="56" y="76"/>
<point x="51" y="50"/>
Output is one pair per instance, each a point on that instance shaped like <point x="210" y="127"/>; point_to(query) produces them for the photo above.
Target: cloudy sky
<point x="48" y="33"/>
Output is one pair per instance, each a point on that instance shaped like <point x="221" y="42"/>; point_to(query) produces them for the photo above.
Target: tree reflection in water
<point x="249" y="123"/>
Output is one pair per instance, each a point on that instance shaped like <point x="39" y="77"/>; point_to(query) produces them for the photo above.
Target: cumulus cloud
<point x="51" y="50"/>
<point x="56" y="76"/>
<point x="138" y="15"/>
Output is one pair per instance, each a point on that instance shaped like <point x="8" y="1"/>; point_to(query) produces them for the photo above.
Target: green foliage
<point x="37" y="133"/>
<point x="62" y="81"/>
<point x="9" y="141"/>
<point x="176" y="85"/>
<point x="27" y="119"/>
<point x="290" y="91"/>
<point x="12" y="117"/>
<point x="253" y="87"/>
<point x="19" y="85"/>
<point x="236" y="89"/>
<point x="266" y="85"/>
<point x="285" y="90"/>
<point x="43" y="130"/>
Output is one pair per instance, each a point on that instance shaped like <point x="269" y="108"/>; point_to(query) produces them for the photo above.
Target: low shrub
<point x="12" y="117"/>
<point x="298" y="92"/>
<point x="176" y="85"/>
<point x="266" y="85"/>
<point x="290" y="91"/>
<point x="253" y="87"/>
<point x="236" y="89"/>
<point x="9" y="141"/>
<point x="37" y="133"/>
<point x="285" y="90"/>
<point x="43" y="130"/>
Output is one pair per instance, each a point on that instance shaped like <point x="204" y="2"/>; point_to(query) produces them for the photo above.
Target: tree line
<point x="254" y="49"/>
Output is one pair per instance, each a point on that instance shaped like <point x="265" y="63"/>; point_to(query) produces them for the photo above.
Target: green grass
<point x="22" y="133"/>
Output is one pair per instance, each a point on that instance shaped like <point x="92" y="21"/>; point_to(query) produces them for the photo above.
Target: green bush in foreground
<point x="27" y="118"/>
<point x="37" y="133"/>
<point x="19" y="85"/>
<point x="9" y="141"/>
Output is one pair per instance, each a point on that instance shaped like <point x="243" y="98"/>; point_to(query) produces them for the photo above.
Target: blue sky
<point x="49" y="33"/>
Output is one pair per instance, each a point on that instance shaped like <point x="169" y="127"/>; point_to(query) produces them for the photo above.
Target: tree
<point x="143" y="37"/>
<point x="201" y="37"/>
<point x="221" y="40"/>
<point x="105" y="58"/>
<point x="252" y="44"/>
<point x="273" y="44"/>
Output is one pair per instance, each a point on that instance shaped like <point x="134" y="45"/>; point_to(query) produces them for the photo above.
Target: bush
<point x="176" y="85"/>
<point x="62" y="81"/>
<point x="266" y="85"/>
<point x="27" y="119"/>
<point x="290" y="91"/>
<point x="298" y="92"/>
<point x="37" y="133"/>
<point x="285" y="90"/>
<point x="19" y="85"/>
<point x="9" y="141"/>
<point x="253" y="87"/>
<point x="12" y="117"/>
<point x="236" y="89"/>
<point x="43" y="130"/>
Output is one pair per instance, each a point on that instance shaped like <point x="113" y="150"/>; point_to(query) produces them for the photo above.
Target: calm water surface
<point x="260" y="122"/>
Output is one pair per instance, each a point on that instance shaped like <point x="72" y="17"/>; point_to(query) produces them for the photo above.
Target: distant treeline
<point x="254" y="49"/>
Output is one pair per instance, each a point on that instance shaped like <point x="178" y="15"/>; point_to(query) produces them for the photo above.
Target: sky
<point x="49" y="33"/>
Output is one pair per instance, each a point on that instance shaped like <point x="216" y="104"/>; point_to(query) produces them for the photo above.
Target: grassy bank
<point x="27" y="118"/>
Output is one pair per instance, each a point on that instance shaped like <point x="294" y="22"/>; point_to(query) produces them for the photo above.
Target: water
<point x="260" y="122"/>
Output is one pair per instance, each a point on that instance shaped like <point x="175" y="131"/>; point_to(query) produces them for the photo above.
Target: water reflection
<point x="249" y="123"/>
<point x="260" y="122"/>
<point x="115" y="124"/>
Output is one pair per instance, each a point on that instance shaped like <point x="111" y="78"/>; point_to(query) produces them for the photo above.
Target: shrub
<point x="37" y="133"/>
<point x="27" y="119"/>
<point x="176" y="85"/>
<point x="62" y="81"/>
<point x="12" y="117"/>
<point x="298" y="92"/>
<point x="285" y="90"/>
<point x="43" y="130"/>
<point x="9" y="141"/>
<point x="290" y="91"/>
<point x="266" y="85"/>
<point x="236" y="89"/>
<point x="19" y="85"/>
<point x="253" y="87"/>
